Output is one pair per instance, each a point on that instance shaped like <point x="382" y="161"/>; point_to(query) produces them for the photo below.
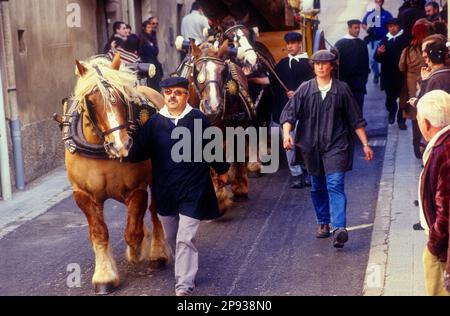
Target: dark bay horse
<point x="102" y="99"/>
<point x="222" y="89"/>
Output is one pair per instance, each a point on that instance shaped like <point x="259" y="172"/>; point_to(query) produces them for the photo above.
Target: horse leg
<point x="105" y="277"/>
<point x="239" y="185"/>
<point x="224" y="196"/>
<point x="135" y="234"/>
<point x="159" y="254"/>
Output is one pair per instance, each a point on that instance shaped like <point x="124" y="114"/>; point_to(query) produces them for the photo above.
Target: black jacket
<point x="353" y="63"/>
<point x="293" y="77"/>
<point x="391" y="77"/>
<point x="325" y="127"/>
<point x="178" y="187"/>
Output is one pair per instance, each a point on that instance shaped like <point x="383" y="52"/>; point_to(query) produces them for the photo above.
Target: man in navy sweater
<point x="183" y="191"/>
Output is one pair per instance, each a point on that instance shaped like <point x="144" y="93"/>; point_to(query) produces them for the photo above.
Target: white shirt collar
<point x="165" y="112"/>
<point x="348" y="36"/>
<point x="390" y="36"/>
<point x="297" y="58"/>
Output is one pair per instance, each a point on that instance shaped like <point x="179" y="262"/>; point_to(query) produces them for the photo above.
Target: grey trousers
<point x="180" y="234"/>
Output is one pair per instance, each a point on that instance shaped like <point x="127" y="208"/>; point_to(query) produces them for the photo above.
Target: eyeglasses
<point x="177" y="92"/>
<point x="153" y="23"/>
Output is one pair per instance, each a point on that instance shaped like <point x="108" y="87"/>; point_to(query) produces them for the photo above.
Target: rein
<point x="112" y="99"/>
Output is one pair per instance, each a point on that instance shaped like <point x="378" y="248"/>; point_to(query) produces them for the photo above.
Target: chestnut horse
<point x="103" y="94"/>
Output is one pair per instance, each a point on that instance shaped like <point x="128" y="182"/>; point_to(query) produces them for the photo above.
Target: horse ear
<point x="223" y="50"/>
<point x="246" y="18"/>
<point x="196" y="52"/>
<point x="81" y="69"/>
<point x="116" y="62"/>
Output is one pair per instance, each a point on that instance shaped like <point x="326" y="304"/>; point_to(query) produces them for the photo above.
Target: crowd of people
<point x="318" y="105"/>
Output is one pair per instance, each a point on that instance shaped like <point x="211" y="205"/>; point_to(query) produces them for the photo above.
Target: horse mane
<point x="124" y="81"/>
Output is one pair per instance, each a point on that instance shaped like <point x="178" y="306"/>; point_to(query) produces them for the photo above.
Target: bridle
<point x="199" y="90"/>
<point x="112" y="99"/>
<point x="232" y="31"/>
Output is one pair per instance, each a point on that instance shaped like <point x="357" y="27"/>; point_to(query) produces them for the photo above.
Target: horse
<point x="222" y="89"/>
<point x="104" y="98"/>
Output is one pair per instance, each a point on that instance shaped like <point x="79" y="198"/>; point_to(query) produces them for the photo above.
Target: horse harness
<point x="138" y="112"/>
<point x="232" y="87"/>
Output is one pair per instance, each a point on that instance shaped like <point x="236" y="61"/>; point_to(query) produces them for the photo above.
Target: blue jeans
<point x="327" y="194"/>
<point x="373" y="64"/>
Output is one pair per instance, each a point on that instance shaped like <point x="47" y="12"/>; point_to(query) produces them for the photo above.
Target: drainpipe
<point x="132" y="15"/>
<point x="12" y="97"/>
<point x="4" y="155"/>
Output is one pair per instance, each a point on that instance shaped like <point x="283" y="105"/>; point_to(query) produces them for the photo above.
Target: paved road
<point x="265" y="246"/>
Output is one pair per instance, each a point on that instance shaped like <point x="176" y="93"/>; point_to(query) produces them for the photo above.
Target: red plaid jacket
<point x="435" y="192"/>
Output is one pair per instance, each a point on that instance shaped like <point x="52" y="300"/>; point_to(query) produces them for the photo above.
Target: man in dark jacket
<point x="388" y="54"/>
<point x="292" y="70"/>
<point x="354" y="61"/>
<point x="149" y="51"/>
<point x="118" y="38"/>
<point x="410" y="15"/>
<point x="183" y="191"/>
<point x="327" y="116"/>
<point x="434" y="122"/>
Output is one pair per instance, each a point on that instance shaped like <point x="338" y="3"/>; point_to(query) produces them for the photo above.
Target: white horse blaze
<point x="116" y="134"/>
<point x="250" y="55"/>
<point x="211" y="73"/>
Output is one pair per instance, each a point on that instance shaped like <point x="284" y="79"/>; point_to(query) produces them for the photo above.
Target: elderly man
<point x="327" y="116"/>
<point x="433" y="116"/>
<point x="183" y="191"/>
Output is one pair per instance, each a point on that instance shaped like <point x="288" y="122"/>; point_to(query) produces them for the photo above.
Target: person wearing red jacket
<point x="433" y="117"/>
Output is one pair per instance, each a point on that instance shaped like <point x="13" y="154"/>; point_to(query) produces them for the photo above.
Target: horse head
<point x="239" y="35"/>
<point x="210" y="73"/>
<point x="104" y="91"/>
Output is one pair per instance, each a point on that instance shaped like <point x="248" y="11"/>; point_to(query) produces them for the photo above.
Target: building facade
<point x="39" y="41"/>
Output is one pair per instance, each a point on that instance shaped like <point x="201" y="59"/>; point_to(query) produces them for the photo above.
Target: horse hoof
<point x="104" y="289"/>
<point x="158" y="264"/>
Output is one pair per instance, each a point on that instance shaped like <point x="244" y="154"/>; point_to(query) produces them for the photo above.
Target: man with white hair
<point x="433" y="117"/>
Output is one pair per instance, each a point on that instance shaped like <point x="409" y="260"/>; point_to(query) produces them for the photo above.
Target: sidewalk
<point x="395" y="262"/>
<point x="37" y="199"/>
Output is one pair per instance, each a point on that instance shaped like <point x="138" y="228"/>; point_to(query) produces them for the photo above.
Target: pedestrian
<point x="118" y="38"/>
<point x="388" y="54"/>
<point x="374" y="22"/>
<point x="434" y="76"/>
<point x="292" y="71"/>
<point x="432" y="11"/>
<point x="410" y="64"/>
<point x="354" y="61"/>
<point x="434" y="194"/>
<point x="194" y="23"/>
<point x="183" y="191"/>
<point x="149" y="50"/>
<point x="410" y="15"/>
<point x="328" y="116"/>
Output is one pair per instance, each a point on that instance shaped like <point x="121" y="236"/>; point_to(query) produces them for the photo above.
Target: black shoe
<point x="340" y="237"/>
<point x="306" y="179"/>
<point x="392" y="118"/>
<point x="297" y="182"/>
<point x="323" y="231"/>
<point x="402" y="126"/>
<point x="417" y="226"/>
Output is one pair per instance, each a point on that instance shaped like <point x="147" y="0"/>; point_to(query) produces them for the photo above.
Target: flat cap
<point x="175" y="82"/>
<point x="393" y="21"/>
<point x="323" y="55"/>
<point x="293" y="37"/>
<point x="353" y="22"/>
